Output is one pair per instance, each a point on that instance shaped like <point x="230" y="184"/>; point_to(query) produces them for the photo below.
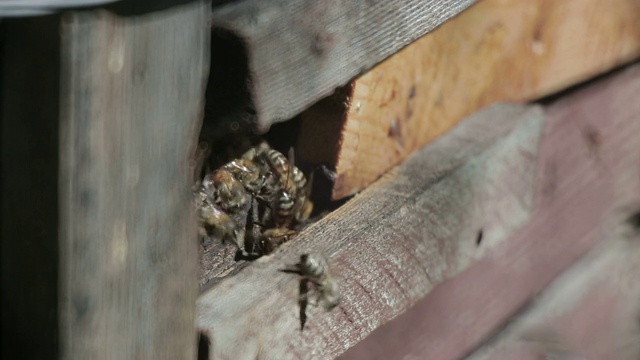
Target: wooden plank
<point x="132" y="101"/>
<point x="390" y="246"/>
<point x="588" y="181"/>
<point x="590" y="312"/>
<point x="300" y="51"/>
<point x="498" y="50"/>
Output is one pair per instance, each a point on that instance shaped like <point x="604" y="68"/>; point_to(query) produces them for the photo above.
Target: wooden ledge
<point x="390" y="245"/>
<point x="401" y="248"/>
<point x="587" y="186"/>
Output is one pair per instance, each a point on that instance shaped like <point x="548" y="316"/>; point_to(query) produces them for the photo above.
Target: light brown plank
<point x="131" y="107"/>
<point x="497" y="50"/>
<point x="405" y="250"/>
<point x="587" y="186"/>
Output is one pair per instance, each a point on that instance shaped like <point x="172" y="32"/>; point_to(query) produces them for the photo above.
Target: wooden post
<point x="132" y="101"/>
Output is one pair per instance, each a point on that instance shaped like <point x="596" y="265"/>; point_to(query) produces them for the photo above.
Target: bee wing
<point x="309" y="185"/>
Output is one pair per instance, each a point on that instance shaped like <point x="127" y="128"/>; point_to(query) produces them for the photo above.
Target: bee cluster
<point x="254" y="201"/>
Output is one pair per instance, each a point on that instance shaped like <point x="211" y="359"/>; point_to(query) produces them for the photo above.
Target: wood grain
<point x="389" y="246"/>
<point x="591" y="310"/>
<point x="588" y="185"/>
<point x="400" y="249"/>
<point x="497" y="50"/>
<point x="300" y="51"/>
<point x="132" y="100"/>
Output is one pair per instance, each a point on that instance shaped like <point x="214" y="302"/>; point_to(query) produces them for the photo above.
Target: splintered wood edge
<point x="494" y="51"/>
<point x="415" y="228"/>
<point x="587" y="183"/>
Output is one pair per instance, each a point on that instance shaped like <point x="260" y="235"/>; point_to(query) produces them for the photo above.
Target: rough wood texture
<point x="130" y="115"/>
<point x="389" y="246"/>
<point x="498" y="50"/>
<point x="588" y="182"/>
<point x="590" y="312"/>
<point x="301" y="50"/>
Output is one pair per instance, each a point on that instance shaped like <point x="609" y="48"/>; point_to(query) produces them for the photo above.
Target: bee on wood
<point x="271" y="239"/>
<point x="315" y="269"/>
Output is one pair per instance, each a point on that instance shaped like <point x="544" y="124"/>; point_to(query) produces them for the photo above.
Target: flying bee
<point x="315" y="269"/>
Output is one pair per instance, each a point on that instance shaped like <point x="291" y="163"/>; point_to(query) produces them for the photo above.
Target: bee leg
<point x="303" y="301"/>
<point x="328" y="173"/>
<point x="303" y="214"/>
<point x="253" y="227"/>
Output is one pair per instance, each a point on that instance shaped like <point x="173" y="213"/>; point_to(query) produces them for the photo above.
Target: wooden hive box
<point x="510" y="234"/>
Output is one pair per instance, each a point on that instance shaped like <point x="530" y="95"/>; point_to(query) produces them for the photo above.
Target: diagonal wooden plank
<point x="591" y="311"/>
<point x="587" y="184"/>
<point x="415" y="228"/>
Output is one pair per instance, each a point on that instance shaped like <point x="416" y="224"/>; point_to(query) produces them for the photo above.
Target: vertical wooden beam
<point x="132" y="90"/>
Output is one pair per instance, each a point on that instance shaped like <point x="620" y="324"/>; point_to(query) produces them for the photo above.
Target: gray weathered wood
<point x="590" y="312"/>
<point x="301" y="50"/>
<point x="132" y="100"/>
<point x="587" y="185"/>
<point x="389" y="246"/>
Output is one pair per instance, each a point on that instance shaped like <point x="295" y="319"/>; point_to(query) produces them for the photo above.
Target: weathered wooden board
<point x="299" y="51"/>
<point x="588" y="183"/>
<point x="592" y="311"/>
<point x="410" y="231"/>
<point x="132" y="102"/>
<point x="422" y="224"/>
<point x="497" y="50"/>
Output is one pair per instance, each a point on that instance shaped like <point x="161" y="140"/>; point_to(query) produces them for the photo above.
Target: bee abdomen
<point x="299" y="179"/>
<point x="278" y="162"/>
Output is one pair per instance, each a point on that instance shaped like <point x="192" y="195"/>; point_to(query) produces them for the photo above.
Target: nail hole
<point x="204" y="344"/>
<point x="634" y="221"/>
<point x="479" y="238"/>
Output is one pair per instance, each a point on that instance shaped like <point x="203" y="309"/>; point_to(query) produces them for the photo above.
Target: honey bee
<point x="248" y="173"/>
<point x="315" y="269"/>
<point x="292" y="198"/>
<point x="271" y="239"/>
<point x="216" y="223"/>
<point x="303" y="205"/>
<point x="228" y="192"/>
